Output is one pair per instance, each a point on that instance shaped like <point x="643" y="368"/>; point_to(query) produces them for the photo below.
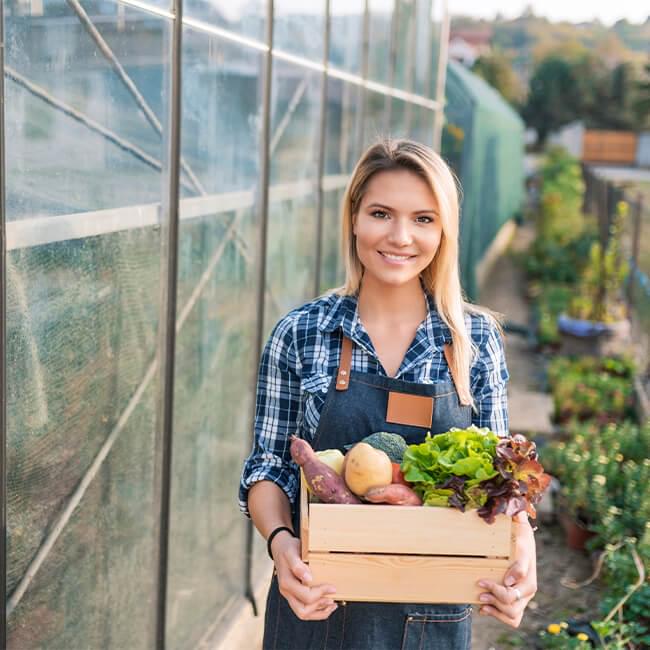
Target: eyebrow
<point x="387" y="207"/>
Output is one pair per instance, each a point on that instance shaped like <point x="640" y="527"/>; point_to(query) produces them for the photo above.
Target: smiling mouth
<point x="396" y="258"/>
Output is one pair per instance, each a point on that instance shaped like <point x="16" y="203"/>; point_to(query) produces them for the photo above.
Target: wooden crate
<point x="408" y="554"/>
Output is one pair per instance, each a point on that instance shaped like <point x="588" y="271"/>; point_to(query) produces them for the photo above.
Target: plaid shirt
<point x="302" y="355"/>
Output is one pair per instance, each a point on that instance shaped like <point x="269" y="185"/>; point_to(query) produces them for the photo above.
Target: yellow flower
<point x="564" y="625"/>
<point x="554" y="628"/>
<point x="582" y="636"/>
<point x="618" y="458"/>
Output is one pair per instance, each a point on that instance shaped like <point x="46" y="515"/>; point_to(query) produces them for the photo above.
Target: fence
<point x="609" y="147"/>
<point x="604" y="189"/>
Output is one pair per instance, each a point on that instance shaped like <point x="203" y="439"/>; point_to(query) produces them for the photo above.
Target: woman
<point x="326" y="372"/>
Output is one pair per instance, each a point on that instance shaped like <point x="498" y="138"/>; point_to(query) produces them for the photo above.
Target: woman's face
<point x="397" y="227"/>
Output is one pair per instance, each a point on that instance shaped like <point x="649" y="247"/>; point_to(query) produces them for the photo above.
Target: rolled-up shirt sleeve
<point x="489" y="379"/>
<point x="277" y="412"/>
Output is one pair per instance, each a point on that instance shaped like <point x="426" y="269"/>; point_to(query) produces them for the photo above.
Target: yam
<point x="394" y="494"/>
<point x="322" y="480"/>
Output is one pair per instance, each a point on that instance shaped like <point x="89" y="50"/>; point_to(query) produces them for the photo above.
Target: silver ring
<point x="517" y="594"/>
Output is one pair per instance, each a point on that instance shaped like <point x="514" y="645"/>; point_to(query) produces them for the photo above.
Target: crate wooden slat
<point x="431" y="531"/>
<point x="419" y="554"/>
<point x="404" y="578"/>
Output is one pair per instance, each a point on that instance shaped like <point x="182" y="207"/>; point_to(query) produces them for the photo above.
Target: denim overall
<point x="349" y="415"/>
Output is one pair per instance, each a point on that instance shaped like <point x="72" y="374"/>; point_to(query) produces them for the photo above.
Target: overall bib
<point x="356" y="406"/>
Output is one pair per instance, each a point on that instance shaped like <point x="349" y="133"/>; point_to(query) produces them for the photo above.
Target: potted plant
<point x="596" y="322"/>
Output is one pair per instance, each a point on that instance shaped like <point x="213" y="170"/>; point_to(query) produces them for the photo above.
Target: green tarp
<point x="483" y="140"/>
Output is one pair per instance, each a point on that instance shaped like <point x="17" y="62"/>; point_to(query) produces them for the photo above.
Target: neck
<point x="391" y="305"/>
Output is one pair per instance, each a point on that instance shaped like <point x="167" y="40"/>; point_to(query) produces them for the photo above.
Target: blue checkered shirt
<point x="302" y="355"/>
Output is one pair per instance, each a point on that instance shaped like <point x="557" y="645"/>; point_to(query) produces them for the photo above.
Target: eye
<point x="379" y="214"/>
<point x="424" y="218"/>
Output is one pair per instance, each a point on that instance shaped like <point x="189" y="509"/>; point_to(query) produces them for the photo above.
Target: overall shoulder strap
<point x="449" y="357"/>
<point x="343" y="376"/>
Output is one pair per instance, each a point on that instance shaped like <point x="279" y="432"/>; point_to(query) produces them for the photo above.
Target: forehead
<point x="399" y="188"/>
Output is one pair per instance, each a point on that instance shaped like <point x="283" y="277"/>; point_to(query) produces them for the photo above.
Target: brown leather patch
<point x="415" y="410"/>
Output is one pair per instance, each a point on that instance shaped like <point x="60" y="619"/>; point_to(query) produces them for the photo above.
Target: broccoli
<point x="392" y="443"/>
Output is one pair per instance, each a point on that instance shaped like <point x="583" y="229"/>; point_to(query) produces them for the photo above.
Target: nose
<point x="400" y="233"/>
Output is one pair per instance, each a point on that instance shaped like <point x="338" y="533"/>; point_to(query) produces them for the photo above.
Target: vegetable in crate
<point x="395" y="494"/>
<point x="332" y="457"/>
<point x="521" y="481"/>
<point x="391" y="443"/>
<point x="367" y="468"/>
<point x="323" y="481"/>
<point x="473" y="468"/>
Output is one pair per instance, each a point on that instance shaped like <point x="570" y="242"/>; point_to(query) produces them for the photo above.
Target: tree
<point x="554" y="98"/>
<point x="497" y="70"/>
<point x="641" y="102"/>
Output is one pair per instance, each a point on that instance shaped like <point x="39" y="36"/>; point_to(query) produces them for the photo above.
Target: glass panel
<point x="374" y="122"/>
<point x="61" y="63"/>
<point x="244" y="17"/>
<point x="399" y="118"/>
<point x="343" y="125"/>
<point x="405" y="44"/>
<point x="422" y="125"/>
<point x="437" y="19"/>
<point x="295" y="124"/>
<point x="332" y="265"/>
<point x="300" y="28"/>
<point x="379" y="34"/>
<point x="218" y="253"/>
<point x="424" y="57"/>
<point x="82" y="327"/>
<point x="346" y="34"/>
<point x="341" y="154"/>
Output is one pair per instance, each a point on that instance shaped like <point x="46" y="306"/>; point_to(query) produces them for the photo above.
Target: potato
<point x="367" y="468"/>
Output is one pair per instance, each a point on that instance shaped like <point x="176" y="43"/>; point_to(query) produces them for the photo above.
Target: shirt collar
<point x="344" y="314"/>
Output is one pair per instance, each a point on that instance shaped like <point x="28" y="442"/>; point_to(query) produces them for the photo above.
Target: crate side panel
<point x="404" y="579"/>
<point x="406" y="529"/>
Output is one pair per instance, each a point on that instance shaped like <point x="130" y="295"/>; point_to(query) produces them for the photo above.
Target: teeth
<point x="396" y="257"/>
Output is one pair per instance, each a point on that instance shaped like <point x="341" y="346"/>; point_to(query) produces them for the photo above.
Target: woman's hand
<point x="508" y="601"/>
<point x="308" y="602"/>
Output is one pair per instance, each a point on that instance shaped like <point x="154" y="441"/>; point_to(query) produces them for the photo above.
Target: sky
<point x="608" y="11"/>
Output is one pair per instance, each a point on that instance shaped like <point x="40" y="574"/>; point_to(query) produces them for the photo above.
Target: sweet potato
<point x="394" y="494"/>
<point x="323" y="481"/>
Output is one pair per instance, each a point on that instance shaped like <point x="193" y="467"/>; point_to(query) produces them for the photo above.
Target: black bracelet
<point x="275" y="531"/>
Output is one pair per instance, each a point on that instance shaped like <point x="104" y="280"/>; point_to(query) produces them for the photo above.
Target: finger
<point x="509" y="609"/>
<point x="323" y="614"/>
<point x="300" y="570"/>
<point x="515" y="573"/>
<point x="488" y="610"/>
<point x="507" y="595"/>
<point x="309" y="613"/>
<point x="289" y="586"/>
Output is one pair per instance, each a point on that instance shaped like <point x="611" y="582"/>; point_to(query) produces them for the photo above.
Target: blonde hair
<point x="441" y="278"/>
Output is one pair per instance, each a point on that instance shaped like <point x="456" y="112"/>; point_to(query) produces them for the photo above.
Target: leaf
<point x="473" y="468"/>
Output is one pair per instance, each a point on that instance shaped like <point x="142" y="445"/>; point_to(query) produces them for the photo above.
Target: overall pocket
<point x="442" y="627"/>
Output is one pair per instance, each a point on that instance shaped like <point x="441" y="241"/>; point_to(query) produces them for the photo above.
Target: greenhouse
<point x="171" y="184"/>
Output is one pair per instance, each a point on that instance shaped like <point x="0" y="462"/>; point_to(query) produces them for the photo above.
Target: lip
<point x="405" y="258"/>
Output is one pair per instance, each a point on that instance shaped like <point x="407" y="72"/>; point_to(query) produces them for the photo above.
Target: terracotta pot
<point x="577" y="534"/>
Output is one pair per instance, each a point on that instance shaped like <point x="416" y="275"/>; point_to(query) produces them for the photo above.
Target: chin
<point x="395" y="279"/>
